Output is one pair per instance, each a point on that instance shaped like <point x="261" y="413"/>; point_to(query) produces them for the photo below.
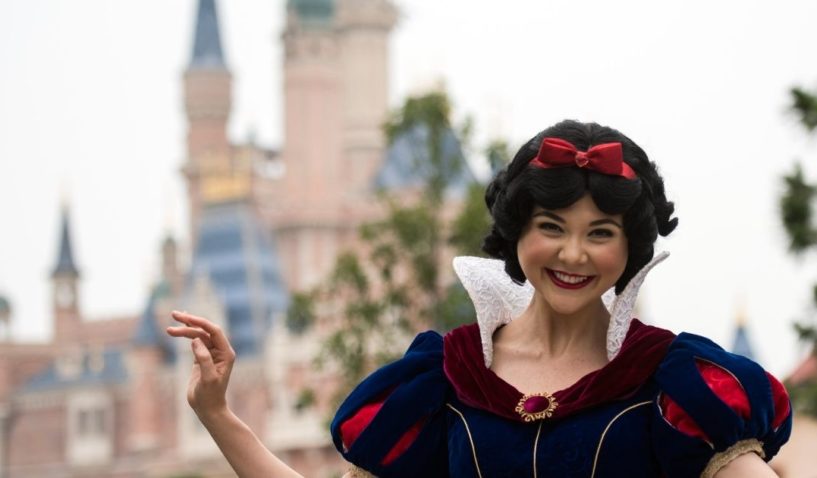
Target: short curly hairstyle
<point x="517" y="189"/>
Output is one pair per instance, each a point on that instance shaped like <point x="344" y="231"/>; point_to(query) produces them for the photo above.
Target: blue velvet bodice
<point x="607" y="441"/>
<point x="624" y="437"/>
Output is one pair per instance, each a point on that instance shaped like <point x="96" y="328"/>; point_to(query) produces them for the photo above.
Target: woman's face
<point x="572" y="256"/>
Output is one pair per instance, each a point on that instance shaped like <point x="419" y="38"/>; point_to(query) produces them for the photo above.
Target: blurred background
<point x="302" y="171"/>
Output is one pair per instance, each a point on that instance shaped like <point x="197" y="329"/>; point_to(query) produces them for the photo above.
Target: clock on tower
<point x="65" y="295"/>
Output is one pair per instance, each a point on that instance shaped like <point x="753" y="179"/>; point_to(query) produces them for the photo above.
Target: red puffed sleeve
<point x="351" y="429"/>
<point x="715" y="406"/>
<point x="728" y="389"/>
<point x="393" y="423"/>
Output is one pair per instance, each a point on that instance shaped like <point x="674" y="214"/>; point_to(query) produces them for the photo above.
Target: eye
<point x="602" y="233"/>
<point x="549" y="227"/>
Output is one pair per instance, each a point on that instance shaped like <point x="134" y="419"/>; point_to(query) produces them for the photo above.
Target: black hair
<point x="517" y="189"/>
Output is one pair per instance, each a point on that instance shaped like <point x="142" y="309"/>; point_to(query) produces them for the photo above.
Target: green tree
<point x="397" y="286"/>
<point x="796" y="205"/>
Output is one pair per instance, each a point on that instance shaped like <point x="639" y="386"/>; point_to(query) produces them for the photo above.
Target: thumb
<point x="204" y="359"/>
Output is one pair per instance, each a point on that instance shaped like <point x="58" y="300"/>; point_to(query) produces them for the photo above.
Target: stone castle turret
<point x="65" y="284"/>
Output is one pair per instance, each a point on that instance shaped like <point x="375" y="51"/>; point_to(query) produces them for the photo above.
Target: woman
<point x="567" y="384"/>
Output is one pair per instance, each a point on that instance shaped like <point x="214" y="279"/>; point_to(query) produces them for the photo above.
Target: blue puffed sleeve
<point x="721" y="432"/>
<point x="410" y="394"/>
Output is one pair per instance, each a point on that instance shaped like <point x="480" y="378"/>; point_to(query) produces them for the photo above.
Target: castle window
<point x="92" y="422"/>
<point x="69" y="364"/>
<point x="90" y="427"/>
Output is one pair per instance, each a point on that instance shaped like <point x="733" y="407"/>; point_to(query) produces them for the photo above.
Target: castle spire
<point x="65" y="260"/>
<point x="207" y="51"/>
<point x="741" y="344"/>
<point x="207" y="100"/>
<point x="65" y="282"/>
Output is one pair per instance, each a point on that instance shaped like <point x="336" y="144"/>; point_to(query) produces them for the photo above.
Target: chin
<point x="568" y="309"/>
<point x="562" y="305"/>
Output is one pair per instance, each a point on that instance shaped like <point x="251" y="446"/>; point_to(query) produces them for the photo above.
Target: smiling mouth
<point x="568" y="281"/>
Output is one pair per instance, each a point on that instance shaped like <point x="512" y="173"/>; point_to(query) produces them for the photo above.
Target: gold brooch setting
<point x="536" y="406"/>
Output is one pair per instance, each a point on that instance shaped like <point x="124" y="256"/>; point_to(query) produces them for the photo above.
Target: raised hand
<point x="213" y="362"/>
<point x="207" y="391"/>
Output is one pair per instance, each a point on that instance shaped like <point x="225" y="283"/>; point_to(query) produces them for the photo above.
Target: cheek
<point x="613" y="260"/>
<point x="533" y="252"/>
<point x="533" y="248"/>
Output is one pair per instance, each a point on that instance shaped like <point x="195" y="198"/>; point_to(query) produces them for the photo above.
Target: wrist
<point x="214" y="415"/>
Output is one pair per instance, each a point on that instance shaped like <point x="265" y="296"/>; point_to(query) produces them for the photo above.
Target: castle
<point x="107" y="397"/>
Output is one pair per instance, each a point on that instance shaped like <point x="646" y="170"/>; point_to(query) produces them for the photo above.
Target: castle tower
<point x="307" y="219"/>
<point x="144" y="417"/>
<point x="171" y="273"/>
<point x="65" y="285"/>
<point x="335" y="100"/>
<point x="312" y="111"/>
<point x="363" y="28"/>
<point x="207" y="92"/>
<point x="149" y="353"/>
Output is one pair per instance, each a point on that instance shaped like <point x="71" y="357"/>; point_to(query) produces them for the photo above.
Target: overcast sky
<point x="91" y="110"/>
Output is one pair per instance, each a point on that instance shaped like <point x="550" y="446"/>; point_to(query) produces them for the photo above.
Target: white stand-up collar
<point x="498" y="300"/>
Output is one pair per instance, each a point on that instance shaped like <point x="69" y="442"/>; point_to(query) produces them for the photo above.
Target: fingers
<point x="204" y="359"/>
<point x="191" y="333"/>
<point x="217" y="336"/>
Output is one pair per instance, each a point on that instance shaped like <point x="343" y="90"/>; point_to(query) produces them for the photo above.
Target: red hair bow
<point x="606" y="158"/>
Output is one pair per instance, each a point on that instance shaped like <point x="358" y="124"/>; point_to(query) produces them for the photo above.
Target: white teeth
<point x="570" y="279"/>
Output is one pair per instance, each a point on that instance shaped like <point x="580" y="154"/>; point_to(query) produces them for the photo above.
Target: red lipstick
<point x="566" y="285"/>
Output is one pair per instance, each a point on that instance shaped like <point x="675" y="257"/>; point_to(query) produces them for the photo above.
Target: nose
<point x="573" y="251"/>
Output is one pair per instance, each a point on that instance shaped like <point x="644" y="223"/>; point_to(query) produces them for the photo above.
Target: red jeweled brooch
<point x="536" y="406"/>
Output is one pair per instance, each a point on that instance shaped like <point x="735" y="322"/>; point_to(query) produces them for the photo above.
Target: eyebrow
<point x="557" y="218"/>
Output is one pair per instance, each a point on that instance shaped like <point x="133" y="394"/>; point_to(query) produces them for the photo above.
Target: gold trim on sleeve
<point x="470" y="438"/>
<point x="751" y="445"/>
<point x="358" y="472"/>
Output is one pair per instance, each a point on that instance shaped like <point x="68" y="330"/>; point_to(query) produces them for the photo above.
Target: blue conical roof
<point x="65" y="258"/>
<point x="313" y="10"/>
<point x="741" y="344"/>
<point x="407" y="163"/>
<point x="207" y="51"/>
<point x="241" y="260"/>
<point x="148" y="331"/>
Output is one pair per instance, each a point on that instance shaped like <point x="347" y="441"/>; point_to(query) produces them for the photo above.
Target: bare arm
<point x="242" y="448"/>
<point x="746" y="465"/>
<point x="206" y="394"/>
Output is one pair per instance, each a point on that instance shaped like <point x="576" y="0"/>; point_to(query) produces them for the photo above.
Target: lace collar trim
<point x="498" y="300"/>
